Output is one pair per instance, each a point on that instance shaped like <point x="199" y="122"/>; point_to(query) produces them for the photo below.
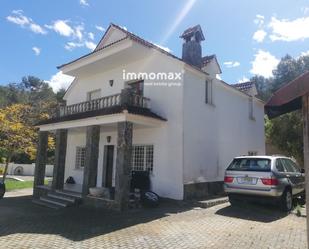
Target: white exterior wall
<point x="167" y="177"/>
<point x="198" y="140"/>
<point x="75" y="138"/>
<point x="214" y="134"/>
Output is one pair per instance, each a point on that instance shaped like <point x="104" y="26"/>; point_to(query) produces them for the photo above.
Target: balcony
<point x="123" y="99"/>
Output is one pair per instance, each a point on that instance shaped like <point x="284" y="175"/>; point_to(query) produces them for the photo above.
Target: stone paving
<point x="25" y="225"/>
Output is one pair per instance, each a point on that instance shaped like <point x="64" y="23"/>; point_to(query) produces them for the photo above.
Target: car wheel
<point x="286" y="201"/>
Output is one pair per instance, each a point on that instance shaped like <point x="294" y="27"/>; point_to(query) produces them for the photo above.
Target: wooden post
<point x="305" y="105"/>
<point x="123" y="164"/>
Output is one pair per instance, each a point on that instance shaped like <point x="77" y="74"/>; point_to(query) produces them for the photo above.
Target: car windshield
<point x="250" y="164"/>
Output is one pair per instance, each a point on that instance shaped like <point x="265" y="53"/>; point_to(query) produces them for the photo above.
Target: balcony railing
<point x="125" y="98"/>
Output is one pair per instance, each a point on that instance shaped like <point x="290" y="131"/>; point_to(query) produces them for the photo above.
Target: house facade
<point x="134" y="106"/>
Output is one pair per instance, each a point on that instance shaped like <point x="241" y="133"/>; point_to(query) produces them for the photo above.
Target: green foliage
<point x="41" y="101"/>
<point x="13" y="184"/>
<point x="285" y="132"/>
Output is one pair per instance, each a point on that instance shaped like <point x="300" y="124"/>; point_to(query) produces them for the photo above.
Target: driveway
<point x="25" y="225"/>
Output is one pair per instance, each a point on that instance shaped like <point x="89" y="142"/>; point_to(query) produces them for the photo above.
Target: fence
<point x="25" y="169"/>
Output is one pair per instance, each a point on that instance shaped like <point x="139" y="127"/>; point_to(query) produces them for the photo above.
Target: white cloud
<point x="84" y="2"/>
<point x="79" y="32"/>
<point x="37" y="28"/>
<point x="36" y="50"/>
<point x="306" y="53"/>
<point x="61" y="27"/>
<point x="91" y="36"/>
<point x="259" y="20"/>
<point x="243" y="79"/>
<point x="163" y="47"/>
<point x="259" y="35"/>
<point x="60" y="80"/>
<point x="264" y="63"/>
<point x="124" y="27"/>
<point x="100" y="28"/>
<point x="90" y="45"/>
<point x="289" y="30"/>
<point x="71" y="45"/>
<point x="230" y="64"/>
<point x="20" y="19"/>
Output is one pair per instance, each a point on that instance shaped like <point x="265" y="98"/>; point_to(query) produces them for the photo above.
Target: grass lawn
<point x="12" y="184"/>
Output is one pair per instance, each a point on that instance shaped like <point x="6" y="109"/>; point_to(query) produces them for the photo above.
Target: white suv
<point x="275" y="178"/>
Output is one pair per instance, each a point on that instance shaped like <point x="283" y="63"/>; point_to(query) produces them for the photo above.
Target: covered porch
<point x="294" y="96"/>
<point x="105" y="154"/>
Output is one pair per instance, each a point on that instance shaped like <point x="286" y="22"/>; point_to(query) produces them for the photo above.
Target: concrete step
<point x="55" y="201"/>
<point x="69" y="194"/>
<point x="62" y="197"/>
<point x="46" y="204"/>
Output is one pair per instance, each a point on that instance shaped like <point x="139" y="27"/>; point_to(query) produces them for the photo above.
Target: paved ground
<point x="18" y="192"/>
<point x="25" y="225"/>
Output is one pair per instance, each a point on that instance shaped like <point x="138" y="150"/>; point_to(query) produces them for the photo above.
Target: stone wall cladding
<point x="203" y="190"/>
<point x="100" y="203"/>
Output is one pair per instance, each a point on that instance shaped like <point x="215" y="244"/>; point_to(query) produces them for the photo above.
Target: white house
<point x="133" y="105"/>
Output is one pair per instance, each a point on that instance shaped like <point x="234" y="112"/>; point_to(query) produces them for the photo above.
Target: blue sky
<point x="248" y="37"/>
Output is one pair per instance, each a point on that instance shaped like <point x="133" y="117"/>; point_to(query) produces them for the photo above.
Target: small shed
<point x="294" y="96"/>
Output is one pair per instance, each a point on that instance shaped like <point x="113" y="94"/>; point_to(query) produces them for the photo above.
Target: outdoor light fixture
<point x="108" y="139"/>
<point x="111" y="82"/>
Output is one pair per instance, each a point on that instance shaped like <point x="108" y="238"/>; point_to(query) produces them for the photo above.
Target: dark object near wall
<point x="140" y="180"/>
<point x="150" y="199"/>
<point x="2" y="190"/>
<point x="70" y="180"/>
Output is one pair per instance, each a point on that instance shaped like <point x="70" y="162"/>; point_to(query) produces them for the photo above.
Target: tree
<point x="263" y="87"/>
<point x="17" y="133"/>
<point x="285" y="132"/>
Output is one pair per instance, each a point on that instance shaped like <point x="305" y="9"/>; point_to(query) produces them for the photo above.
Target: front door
<point x="108" y="166"/>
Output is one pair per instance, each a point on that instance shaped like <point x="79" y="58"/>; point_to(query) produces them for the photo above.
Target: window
<point x="295" y="166"/>
<point x="94" y="95"/>
<point x="279" y="166"/>
<point x="251" y="114"/>
<point x="250" y="164"/>
<point x="142" y="157"/>
<point x="289" y="167"/>
<point x="80" y="157"/>
<point x="208" y="92"/>
<point x="137" y="87"/>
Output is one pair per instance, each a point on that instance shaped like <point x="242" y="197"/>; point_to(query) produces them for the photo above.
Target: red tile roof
<point x="245" y="86"/>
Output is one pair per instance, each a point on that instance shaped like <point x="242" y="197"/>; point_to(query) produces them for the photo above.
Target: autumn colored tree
<point x="18" y="133"/>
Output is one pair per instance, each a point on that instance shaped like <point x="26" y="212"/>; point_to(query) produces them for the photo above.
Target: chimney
<point x="191" y="48"/>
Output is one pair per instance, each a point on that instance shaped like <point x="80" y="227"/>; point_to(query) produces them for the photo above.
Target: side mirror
<point x="302" y="170"/>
